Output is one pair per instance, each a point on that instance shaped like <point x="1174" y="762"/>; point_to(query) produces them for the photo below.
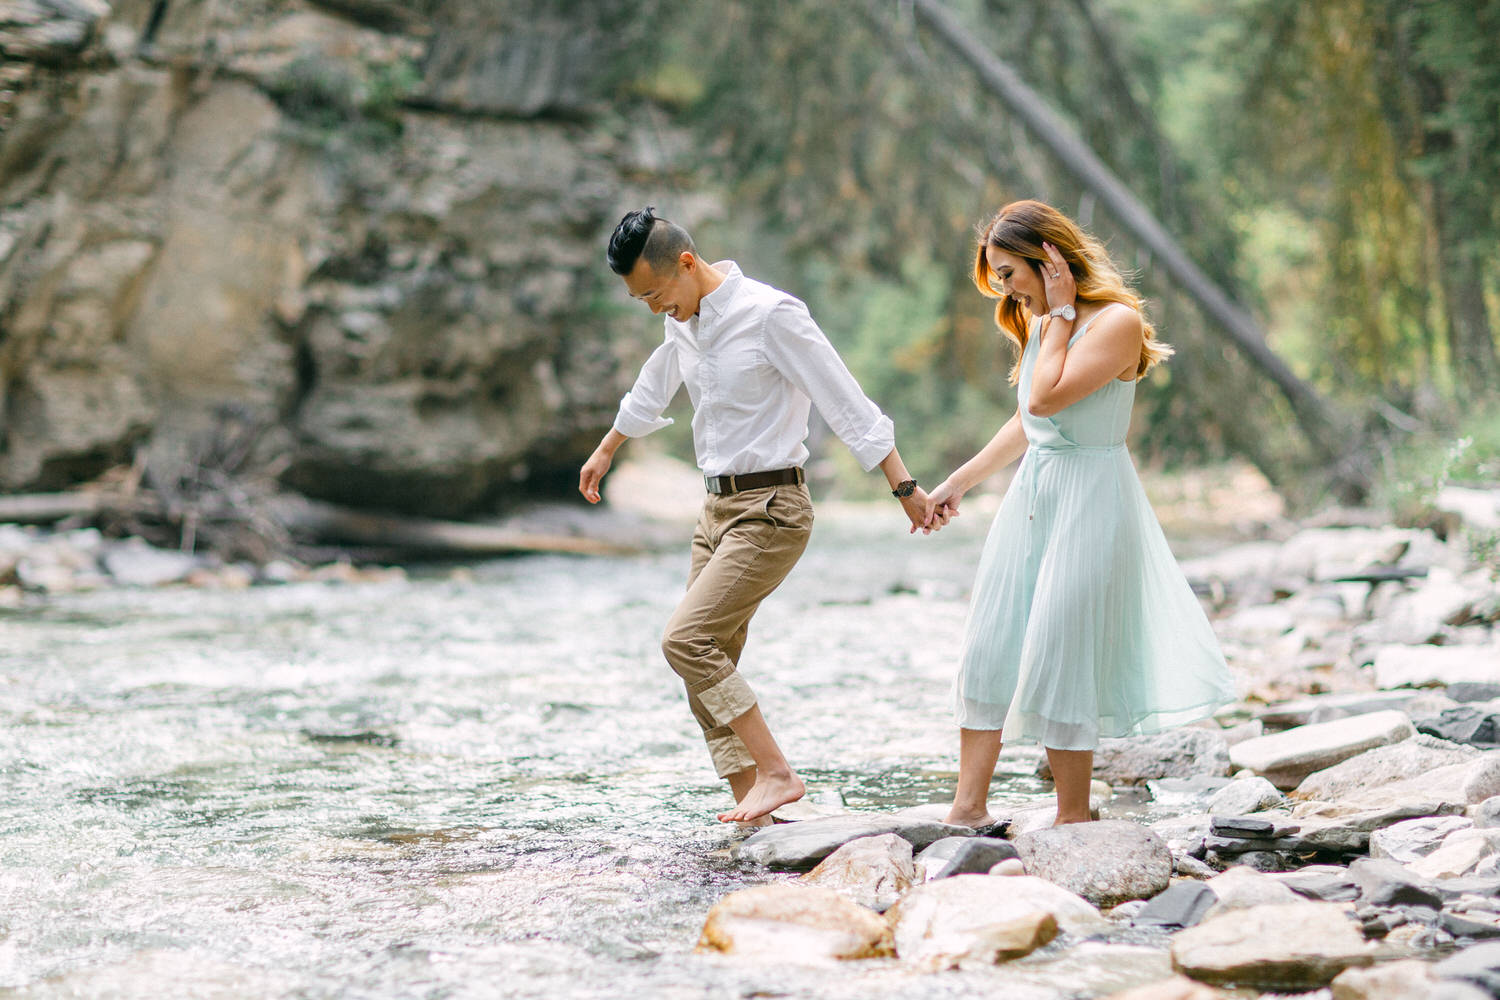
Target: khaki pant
<point x="744" y="546"/>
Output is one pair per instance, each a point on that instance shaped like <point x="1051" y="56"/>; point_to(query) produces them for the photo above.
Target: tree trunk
<point x="1350" y="475"/>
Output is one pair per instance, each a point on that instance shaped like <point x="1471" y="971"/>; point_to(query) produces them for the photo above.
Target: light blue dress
<point x="1082" y="625"/>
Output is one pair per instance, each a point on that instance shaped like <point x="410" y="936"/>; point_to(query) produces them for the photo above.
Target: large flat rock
<point x="1286" y="758"/>
<point x="1286" y="946"/>
<point x="1419" y="666"/>
<point x="1382" y="766"/>
<point x="794" y="846"/>
<point x="788" y="922"/>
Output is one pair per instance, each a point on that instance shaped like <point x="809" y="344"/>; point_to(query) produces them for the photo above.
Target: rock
<point x="1463" y="852"/>
<point x="1251" y="827"/>
<point x="1244" y="731"/>
<point x="1176" y="753"/>
<point x="1286" y="758"/>
<point x="1387" y="883"/>
<point x="1421" y="614"/>
<point x="1411" y="839"/>
<point x="794" y="923"/>
<point x="1327" y="707"/>
<point x="1190" y="867"/>
<point x="1419" y="666"/>
<point x="1472" y="926"/>
<point x="1478" y="964"/>
<point x="1278" y="946"/>
<point x="1481" y="779"/>
<point x="949" y="920"/>
<point x="1467" y="691"/>
<point x="136" y="564"/>
<point x="1244" y="796"/>
<point x="802" y="845"/>
<point x="936" y="855"/>
<point x="1186" y="793"/>
<point x="1325" y="883"/>
<point x="1241" y="888"/>
<point x="1381" y="766"/>
<point x="1261" y="621"/>
<point x="1009" y="867"/>
<point x="976" y="856"/>
<point x="1465" y="724"/>
<point x="1184" y="834"/>
<point x="1181" y="905"/>
<point x="1176" y="988"/>
<point x="1405" y="980"/>
<point x="1105" y="862"/>
<point x="1487" y="813"/>
<point x="872" y="871"/>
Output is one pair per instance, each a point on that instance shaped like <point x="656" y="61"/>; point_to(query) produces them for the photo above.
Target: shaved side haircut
<point x="642" y="234"/>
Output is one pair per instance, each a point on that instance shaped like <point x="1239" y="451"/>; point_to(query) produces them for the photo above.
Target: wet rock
<point x="1105" y="862"/>
<point x="1279" y="946"/>
<point x="872" y="871"/>
<point x="802" y="845"/>
<point x="1414" y="838"/>
<point x="936" y="855"/>
<point x="1182" y="905"/>
<point x="1404" y="980"/>
<point x="976" y="856"/>
<point x="1176" y="988"/>
<point x="944" y="922"/>
<point x="1286" y="758"/>
<point x="1382" y="766"/>
<point x="1471" y="926"/>
<point x="1241" y="888"/>
<point x="1386" y="883"/>
<point x="1176" y="753"/>
<point x="794" y="923"/>
<point x="1478" y="964"/>
<point x="1188" y="866"/>
<point x="1419" y="666"/>
<point x="1244" y="796"/>
<point x="1186" y="793"/>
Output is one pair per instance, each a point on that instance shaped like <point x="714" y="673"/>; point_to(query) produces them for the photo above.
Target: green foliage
<point x="325" y="96"/>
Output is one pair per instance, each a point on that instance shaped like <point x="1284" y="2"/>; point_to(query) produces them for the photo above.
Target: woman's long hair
<point x="1021" y="228"/>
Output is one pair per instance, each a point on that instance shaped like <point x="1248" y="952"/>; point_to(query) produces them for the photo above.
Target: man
<point x="754" y="362"/>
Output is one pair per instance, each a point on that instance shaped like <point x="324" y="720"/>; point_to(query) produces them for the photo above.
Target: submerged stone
<point x="950" y="920"/>
<point x="789" y="922"/>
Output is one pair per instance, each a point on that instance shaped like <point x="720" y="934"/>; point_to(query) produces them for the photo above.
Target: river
<point x="472" y="783"/>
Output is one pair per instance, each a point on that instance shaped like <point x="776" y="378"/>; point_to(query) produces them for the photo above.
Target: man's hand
<point x="919" y="512"/>
<point x="592" y="472"/>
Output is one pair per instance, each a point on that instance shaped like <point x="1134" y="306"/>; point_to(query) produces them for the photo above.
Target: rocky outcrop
<point x="376" y="228"/>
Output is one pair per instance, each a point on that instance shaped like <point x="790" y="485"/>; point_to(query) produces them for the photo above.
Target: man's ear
<point x="686" y="261"/>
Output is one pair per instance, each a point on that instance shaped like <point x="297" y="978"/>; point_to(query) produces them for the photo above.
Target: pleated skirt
<point x="1082" y="624"/>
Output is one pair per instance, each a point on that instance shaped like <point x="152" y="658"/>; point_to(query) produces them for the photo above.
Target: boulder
<point x="1382" y="882"/>
<point x="1411" y="839"/>
<point x="1405" y="980"/>
<point x="1382" y="766"/>
<point x="802" y="845"/>
<point x="872" y="871"/>
<point x="1247" y="795"/>
<point x="1419" y="666"/>
<point x="1105" y="862"/>
<point x="1286" y="758"/>
<point x="1289" y="946"/>
<point x="1177" y="753"/>
<point x="788" y="922"/>
<point x="947" y="921"/>
<point x="1241" y="888"/>
<point x="1325" y="883"/>
<point x="1477" y="964"/>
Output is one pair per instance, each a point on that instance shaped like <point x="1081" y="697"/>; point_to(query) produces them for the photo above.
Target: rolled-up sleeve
<point x="802" y="353"/>
<point x="641" y="407"/>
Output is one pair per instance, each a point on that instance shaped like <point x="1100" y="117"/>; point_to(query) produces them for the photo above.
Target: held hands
<point x="943" y="505"/>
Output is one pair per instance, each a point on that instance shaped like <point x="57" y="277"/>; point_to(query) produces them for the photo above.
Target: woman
<point x="1082" y="625"/>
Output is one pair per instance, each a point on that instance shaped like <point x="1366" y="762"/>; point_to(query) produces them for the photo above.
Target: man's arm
<point x="640" y="414"/>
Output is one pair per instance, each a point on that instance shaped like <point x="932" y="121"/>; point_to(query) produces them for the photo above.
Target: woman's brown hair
<point x="1021" y="228"/>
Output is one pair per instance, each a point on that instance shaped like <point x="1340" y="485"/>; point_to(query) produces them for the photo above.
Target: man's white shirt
<point x="754" y="362"/>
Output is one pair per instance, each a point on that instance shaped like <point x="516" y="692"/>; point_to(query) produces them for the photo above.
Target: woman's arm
<point x="1063" y="376"/>
<point x="1008" y="444"/>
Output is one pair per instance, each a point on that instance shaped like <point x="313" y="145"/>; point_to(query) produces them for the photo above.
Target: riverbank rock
<point x="1245" y="796"/>
<point x="1382" y="766"/>
<point x="1478" y="964"/>
<point x="1462" y="852"/>
<point x="1177" y="753"/>
<point x="794" y="846"/>
<point x="1405" y="980"/>
<point x="1411" y="839"/>
<point x="1243" y="888"/>
<point x="1286" y="758"/>
<point x="1182" y="905"/>
<point x="1420" y="666"/>
<point x="1280" y="946"/>
<point x="962" y="918"/>
<point x="872" y="871"/>
<point x="963" y="856"/>
<point x="794" y="923"/>
<point x="1106" y="862"/>
<point x="1327" y="707"/>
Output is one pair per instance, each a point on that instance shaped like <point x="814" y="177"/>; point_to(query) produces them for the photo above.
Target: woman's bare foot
<point x="770" y="792"/>
<point x="1065" y="820"/>
<point x="978" y="819"/>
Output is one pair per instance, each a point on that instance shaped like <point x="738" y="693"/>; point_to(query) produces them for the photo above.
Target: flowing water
<point x="474" y="784"/>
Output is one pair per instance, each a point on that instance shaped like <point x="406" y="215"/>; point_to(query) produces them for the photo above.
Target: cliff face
<point x="376" y="227"/>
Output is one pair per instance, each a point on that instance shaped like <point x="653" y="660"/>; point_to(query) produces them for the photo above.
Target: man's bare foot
<point x="770" y="792"/>
<point x="963" y="817"/>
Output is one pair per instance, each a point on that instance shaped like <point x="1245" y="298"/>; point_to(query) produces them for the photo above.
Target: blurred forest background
<point x="368" y="236"/>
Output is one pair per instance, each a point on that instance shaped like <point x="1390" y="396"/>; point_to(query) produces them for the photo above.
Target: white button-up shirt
<point x="754" y="362"/>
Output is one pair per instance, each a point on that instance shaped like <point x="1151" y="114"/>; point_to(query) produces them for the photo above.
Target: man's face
<point x="674" y="294"/>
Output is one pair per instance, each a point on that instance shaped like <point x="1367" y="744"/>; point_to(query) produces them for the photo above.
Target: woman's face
<point x="1018" y="278"/>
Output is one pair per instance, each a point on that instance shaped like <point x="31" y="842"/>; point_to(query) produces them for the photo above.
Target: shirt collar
<point x="716" y="301"/>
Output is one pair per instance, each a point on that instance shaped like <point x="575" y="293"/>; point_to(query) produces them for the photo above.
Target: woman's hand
<point x="944" y="500"/>
<point x="1057" y="279"/>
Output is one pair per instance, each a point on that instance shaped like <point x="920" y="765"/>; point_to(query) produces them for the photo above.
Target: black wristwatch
<point x="904" y="489"/>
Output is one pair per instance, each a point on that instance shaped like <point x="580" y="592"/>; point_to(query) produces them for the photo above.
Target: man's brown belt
<point x="753" y="481"/>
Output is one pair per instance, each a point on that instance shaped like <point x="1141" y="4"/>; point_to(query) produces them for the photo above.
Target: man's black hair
<point x="642" y="234"/>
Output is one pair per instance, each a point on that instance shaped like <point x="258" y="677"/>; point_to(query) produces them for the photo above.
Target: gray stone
<point x="1177" y="753"/>
<point x="1382" y="766"/>
<point x="1186" y="793"/>
<point x="1473" y="926"/>
<point x="977" y="856"/>
<point x="1487" y="813"/>
<point x="1478" y="964"/>
<point x="136" y="564"/>
<point x="1462" y="852"/>
<point x="1285" y="946"/>
<point x="872" y="871"/>
<point x="1286" y="758"/>
<point x="1105" y="862"/>
<point x="1325" y="883"/>
<point x="1405" y="980"/>
<point x="1328" y="707"/>
<point x="1246" y="795"/>
<point x="1242" y="887"/>
<point x="1259" y="860"/>
<point x="935" y="856"/>
<point x="1180" y="905"/>
<point x="1386" y="883"/>
<point x="1466" y="691"/>
<point x="1414" y="838"/>
<point x="1468" y="724"/>
<point x="802" y="845"/>
<point x="1248" y="827"/>
<point x="1184" y="834"/>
